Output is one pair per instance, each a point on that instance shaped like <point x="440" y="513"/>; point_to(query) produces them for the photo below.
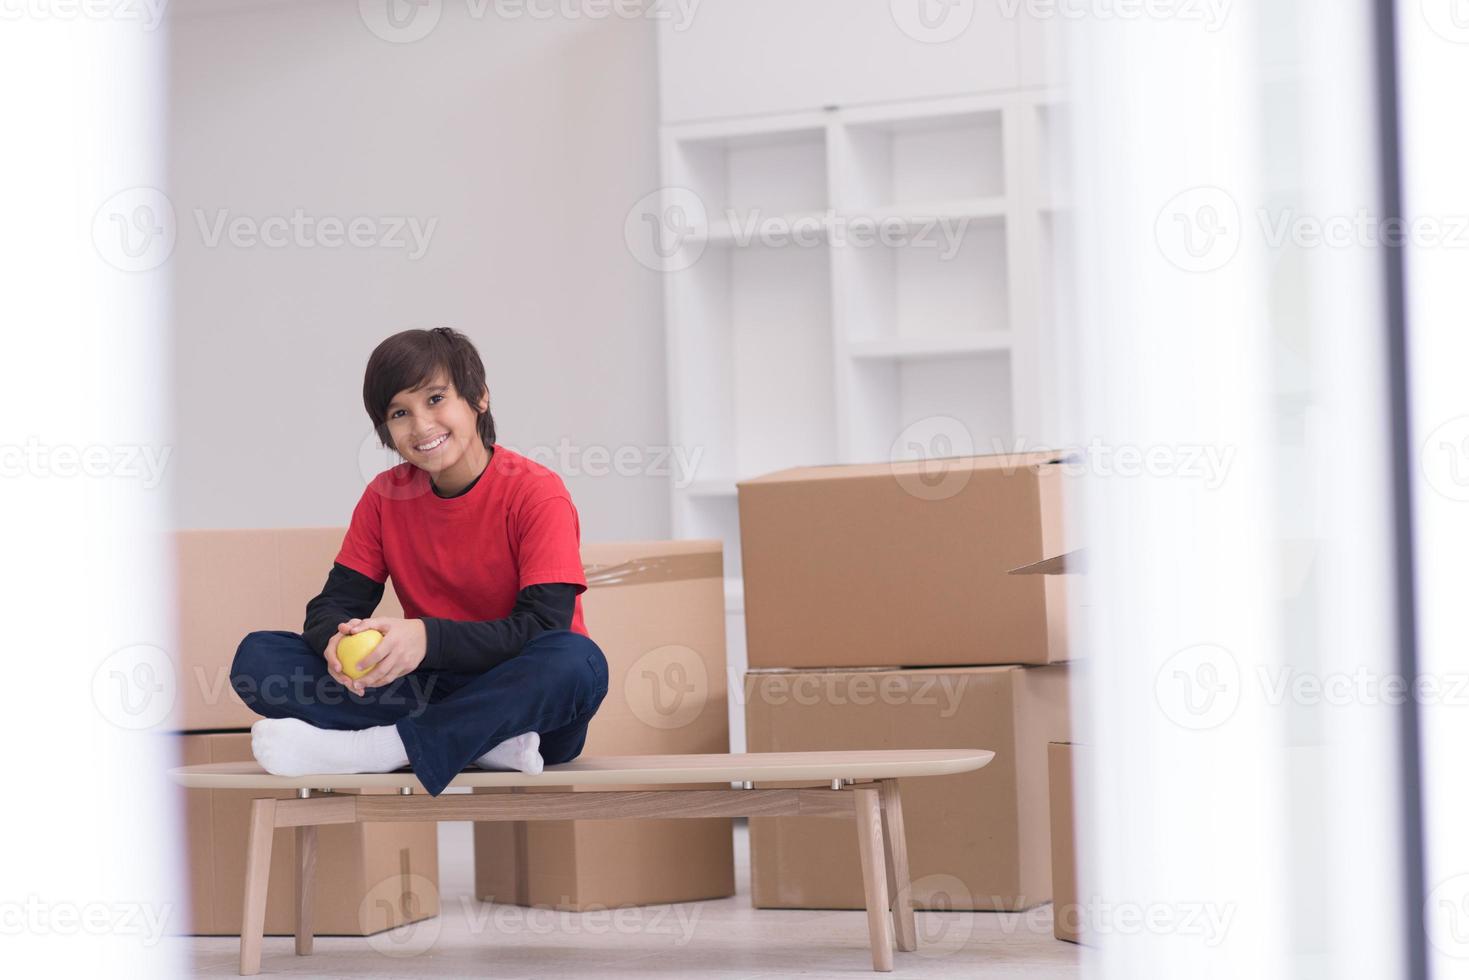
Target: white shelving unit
<point x="845" y="350"/>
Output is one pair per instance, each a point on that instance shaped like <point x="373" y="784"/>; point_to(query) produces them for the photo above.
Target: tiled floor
<point x="724" y="939"/>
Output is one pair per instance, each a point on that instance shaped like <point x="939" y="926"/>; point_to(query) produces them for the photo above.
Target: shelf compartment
<point x="912" y="292"/>
<point x="912" y="159"/>
<point x="768" y="175"/>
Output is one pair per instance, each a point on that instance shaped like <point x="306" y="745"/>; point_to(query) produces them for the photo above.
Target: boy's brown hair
<point x="409" y="360"/>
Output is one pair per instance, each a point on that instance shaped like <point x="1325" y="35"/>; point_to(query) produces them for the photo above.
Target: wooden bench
<point x="863" y="784"/>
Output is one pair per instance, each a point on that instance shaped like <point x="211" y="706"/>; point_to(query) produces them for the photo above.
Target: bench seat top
<point x="611" y="770"/>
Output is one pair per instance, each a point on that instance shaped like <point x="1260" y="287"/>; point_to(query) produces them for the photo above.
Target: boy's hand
<point x="333" y="665"/>
<point x="402" y="649"/>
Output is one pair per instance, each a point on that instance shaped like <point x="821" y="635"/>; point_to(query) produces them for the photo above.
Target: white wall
<point x="528" y="140"/>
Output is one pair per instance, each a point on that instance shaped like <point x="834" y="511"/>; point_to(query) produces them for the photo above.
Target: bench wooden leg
<point x="874" y="877"/>
<point x="898" y="881"/>
<point x="257" y="879"/>
<point x="305" y="888"/>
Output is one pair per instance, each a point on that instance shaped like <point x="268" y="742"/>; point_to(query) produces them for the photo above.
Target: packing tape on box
<point x="656" y="568"/>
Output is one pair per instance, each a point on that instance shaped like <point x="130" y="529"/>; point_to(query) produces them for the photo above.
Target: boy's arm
<point x="475" y="647"/>
<point x="348" y="594"/>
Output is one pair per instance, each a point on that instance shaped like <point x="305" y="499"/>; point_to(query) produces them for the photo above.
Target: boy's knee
<point x="248" y="666"/>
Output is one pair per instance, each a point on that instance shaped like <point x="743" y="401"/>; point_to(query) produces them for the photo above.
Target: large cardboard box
<point x="656" y="608"/>
<point x="1067" y="912"/>
<point x="369" y="877"/>
<point x="903" y="564"/>
<point x="978" y="840"/>
<point x="232" y="582"/>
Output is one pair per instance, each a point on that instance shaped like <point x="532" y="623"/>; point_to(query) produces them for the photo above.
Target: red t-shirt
<point x="466" y="557"/>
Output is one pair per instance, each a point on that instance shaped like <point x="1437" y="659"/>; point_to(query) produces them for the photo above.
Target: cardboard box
<point x="656" y="608"/>
<point x="230" y="583"/>
<point x="1064" y="610"/>
<point x="1067" y="911"/>
<point x="903" y="564"/>
<point x="978" y="840"/>
<point x="369" y="877"/>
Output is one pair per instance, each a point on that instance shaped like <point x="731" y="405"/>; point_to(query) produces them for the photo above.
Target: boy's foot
<point x="291" y="747"/>
<point x="521" y="753"/>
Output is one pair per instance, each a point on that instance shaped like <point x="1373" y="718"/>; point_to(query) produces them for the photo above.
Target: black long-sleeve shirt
<point x="471" y="647"/>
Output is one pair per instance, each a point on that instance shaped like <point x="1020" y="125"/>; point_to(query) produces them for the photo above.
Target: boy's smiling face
<point x="434" y="428"/>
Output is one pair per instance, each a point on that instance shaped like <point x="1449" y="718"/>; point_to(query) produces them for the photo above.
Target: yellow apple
<point x="352" y="648"/>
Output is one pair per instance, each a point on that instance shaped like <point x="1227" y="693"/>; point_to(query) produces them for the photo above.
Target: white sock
<point x="523" y="753"/>
<point x="291" y="747"/>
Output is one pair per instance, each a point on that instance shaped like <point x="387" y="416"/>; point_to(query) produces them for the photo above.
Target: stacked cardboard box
<point x="880" y="613"/>
<point x="370" y="877"/>
<point x="656" y="608"/>
<point x="1068" y="912"/>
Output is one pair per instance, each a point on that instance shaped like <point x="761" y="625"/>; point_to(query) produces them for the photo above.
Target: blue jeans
<point x="446" y="719"/>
